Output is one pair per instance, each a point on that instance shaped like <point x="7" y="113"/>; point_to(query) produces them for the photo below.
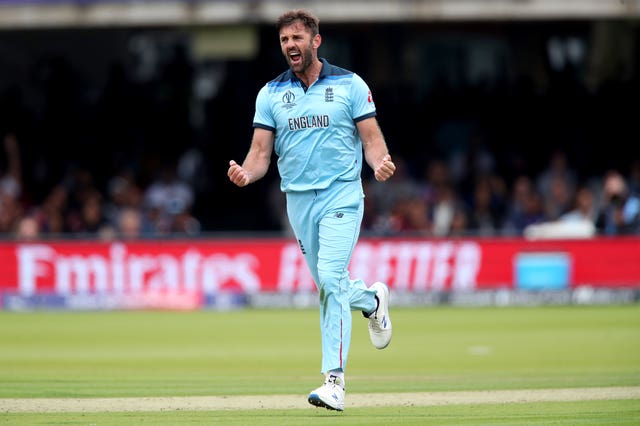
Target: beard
<point x="306" y="59"/>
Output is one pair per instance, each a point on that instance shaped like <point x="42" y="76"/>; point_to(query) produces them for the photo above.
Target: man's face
<point x="298" y="47"/>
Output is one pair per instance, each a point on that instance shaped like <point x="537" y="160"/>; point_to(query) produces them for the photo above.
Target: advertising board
<point x="191" y="273"/>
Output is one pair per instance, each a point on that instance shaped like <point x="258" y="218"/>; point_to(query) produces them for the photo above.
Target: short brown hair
<point x="308" y="19"/>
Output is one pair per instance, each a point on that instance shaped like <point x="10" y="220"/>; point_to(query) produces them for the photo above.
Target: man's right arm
<point x="256" y="163"/>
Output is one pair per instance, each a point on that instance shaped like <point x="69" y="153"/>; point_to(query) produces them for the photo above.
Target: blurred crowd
<point x="475" y="201"/>
<point x="77" y="207"/>
<point x="455" y="197"/>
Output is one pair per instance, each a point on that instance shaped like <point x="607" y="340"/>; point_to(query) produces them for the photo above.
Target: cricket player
<point x="320" y="118"/>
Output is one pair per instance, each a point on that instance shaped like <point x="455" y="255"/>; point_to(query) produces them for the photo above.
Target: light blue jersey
<point x="316" y="139"/>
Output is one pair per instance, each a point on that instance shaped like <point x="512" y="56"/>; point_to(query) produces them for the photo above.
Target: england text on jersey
<point x="308" y="122"/>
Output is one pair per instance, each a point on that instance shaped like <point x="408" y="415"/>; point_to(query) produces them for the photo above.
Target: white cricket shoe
<point x="330" y="395"/>
<point x="379" y="322"/>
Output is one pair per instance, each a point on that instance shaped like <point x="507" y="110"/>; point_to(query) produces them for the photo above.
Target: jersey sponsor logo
<point x="308" y="122"/>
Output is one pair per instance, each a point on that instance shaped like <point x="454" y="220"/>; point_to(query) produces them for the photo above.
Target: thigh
<point x="338" y="233"/>
<point x="303" y="219"/>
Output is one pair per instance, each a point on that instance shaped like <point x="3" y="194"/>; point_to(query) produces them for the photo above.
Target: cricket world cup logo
<point x="289" y="99"/>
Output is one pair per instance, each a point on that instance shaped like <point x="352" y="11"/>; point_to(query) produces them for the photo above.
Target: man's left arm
<point x="375" y="149"/>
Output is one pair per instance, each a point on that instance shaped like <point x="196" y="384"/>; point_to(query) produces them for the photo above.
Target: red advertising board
<point x="276" y="265"/>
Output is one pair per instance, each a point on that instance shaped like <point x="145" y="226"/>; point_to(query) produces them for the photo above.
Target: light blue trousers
<point x="327" y="225"/>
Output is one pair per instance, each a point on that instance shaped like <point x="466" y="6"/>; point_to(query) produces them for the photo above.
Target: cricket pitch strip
<point x="282" y="402"/>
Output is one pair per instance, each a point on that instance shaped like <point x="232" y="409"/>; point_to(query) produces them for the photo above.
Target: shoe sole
<point x="314" y="399"/>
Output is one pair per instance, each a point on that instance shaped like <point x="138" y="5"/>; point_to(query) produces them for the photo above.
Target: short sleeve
<point x="362" y="104"/>
<point x="263" y="116"/>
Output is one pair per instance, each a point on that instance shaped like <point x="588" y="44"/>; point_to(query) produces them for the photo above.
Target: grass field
<point x="275" y="353"/>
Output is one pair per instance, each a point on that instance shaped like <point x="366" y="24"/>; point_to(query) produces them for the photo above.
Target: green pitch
<point x="267" y="352"/>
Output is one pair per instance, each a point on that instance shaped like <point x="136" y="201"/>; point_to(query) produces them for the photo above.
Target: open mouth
<point x="295" y="57"/>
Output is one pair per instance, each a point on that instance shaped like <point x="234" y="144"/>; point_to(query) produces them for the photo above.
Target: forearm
<point x="375" y="151"/>
<point x="373" y="142"/>
<point x="256" y="164"/>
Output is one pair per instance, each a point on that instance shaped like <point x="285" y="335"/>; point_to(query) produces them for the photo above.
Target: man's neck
<point x="311" y="74"/>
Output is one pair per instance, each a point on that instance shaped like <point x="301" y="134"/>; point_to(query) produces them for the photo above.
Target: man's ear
<point x="317" y="41"/>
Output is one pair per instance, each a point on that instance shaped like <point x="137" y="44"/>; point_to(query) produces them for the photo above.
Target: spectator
<point x="557" y="197"/>
<point x="123" y="192"/>
<point x="584" y="206"/>
<point x="579" y="222"/>
<point x="459" y="222"/>
<point x="620" y="210"/>
<point x="130" y="224"/>
<point x="89" y="218"/>
<point x="184" y="224"/>
<point x="487" y="208"/>
<point x="27" y="229"/>
<point x="446" y="205"/>
<point x="526" y="207"/>
<point x="557" y="168"/>
<point x="409" y="215"/>
<point x="51" y="213"/>
<point x="166" y="199"/>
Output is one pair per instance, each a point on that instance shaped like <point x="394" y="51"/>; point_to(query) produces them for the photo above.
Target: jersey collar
<point x="324" y="71"/>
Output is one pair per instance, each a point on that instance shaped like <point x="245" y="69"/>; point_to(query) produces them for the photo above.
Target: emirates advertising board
<point x="194" y="274"/>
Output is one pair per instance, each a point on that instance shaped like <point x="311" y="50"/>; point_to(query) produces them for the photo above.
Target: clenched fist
<point x="238" y="175"/>
<point x="385" y="169"/>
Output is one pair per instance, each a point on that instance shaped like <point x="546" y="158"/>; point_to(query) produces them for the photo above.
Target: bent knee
<point x="330" y="283"/>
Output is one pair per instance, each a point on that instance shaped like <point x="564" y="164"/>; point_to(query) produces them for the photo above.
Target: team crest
<point x="328" y="94"/>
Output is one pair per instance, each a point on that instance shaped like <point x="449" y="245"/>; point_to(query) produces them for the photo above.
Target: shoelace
<point x="333" y="380"/>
